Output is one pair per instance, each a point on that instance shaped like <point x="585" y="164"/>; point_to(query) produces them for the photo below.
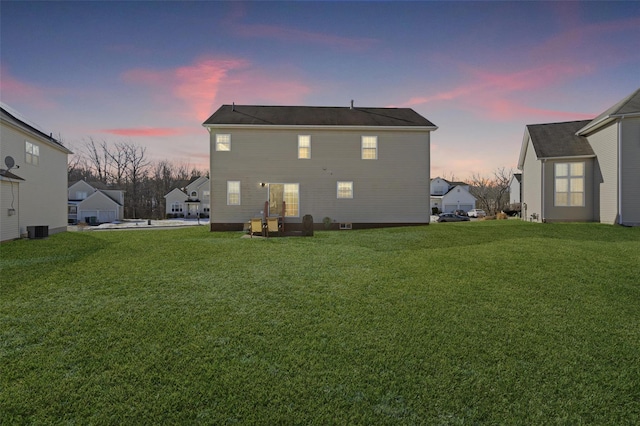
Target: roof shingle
<point x="559" y="139"/>
<point x="317" y="116"/>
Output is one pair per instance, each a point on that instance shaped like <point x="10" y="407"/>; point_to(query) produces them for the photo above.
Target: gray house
<point x="348" y="167"/>
<point x="584" y="170"/>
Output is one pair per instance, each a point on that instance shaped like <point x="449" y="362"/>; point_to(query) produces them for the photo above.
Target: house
<point x="193" y="202"/>
<point x="347" y="167"/>
<point x="447" y="197"/>
<point x="514" y="190"/>
<point x="33" y="179"/>
<point x="94" y="203"/>
<point x="584" y="170"/>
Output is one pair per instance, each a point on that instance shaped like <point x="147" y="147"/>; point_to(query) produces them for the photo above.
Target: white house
<point x="192" y="202"/>
<point x="448" y="197"/>
<point x="94" y="203"/>
<point x="33" y="179"/>
<point x="514" y="189"/>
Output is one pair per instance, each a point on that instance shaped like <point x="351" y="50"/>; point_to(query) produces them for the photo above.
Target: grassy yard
<point x="500" y="322"/>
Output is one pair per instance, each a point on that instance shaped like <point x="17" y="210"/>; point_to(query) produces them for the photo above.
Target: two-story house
<point x="191" y="202"/>
<point x="447" y="197"/>
<point x="584" y="170"/>
<point x="94" y="203"/>
<point x="347" y="167"/>
<point x="33" y="178"/>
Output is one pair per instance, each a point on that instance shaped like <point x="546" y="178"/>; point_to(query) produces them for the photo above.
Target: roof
<point x="559" y="139"/>
<point x="7" y="174"/>
<point x="17" y="117"/>
<point x="316" y="116"/>
<point x="627" y="106"/>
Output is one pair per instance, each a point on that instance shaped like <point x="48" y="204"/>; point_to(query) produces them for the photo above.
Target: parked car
<point x="476" y="213"/>
<point x="451" y="217"/>
<point x="460" y="212"/>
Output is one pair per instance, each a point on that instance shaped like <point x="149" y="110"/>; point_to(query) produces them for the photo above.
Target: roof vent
<point x="351" y="104"/>
<point x="233" y="106"/>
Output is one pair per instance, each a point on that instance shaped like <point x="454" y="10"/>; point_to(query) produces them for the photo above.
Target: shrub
<point x="502" y="216"/>
<point x="327" y="222"/>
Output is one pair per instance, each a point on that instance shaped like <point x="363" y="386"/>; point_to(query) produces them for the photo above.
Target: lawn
<point x="500" y="322"/>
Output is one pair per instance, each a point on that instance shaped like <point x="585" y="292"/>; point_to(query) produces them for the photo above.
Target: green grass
<point x="501" y="322"/>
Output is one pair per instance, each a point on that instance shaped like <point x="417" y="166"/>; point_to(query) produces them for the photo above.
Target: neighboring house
<point x="584" y="170"/>
<point x="32" y="190"/>
<point x="448" y="197"/>
<point x="192" y="202"/>
<point x="346" y="167"/>
<point x="514" y="190"/>
<point x="94" y="203"/>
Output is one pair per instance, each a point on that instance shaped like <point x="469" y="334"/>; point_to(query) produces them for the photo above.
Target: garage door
<point x="450" y="208"/>
<point x="107" y="216"/>
<point x="466" y="207"/>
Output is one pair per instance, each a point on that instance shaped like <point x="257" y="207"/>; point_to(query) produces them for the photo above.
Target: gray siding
<point x="605" y="184"/>
<point x="568" y="213"/>
<point x="531" y="184"/>
<point x="630" y="191"/>
<point x="392" y="189"/>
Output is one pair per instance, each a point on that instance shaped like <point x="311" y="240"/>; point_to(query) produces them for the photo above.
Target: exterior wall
<point x="630" y="155"/>
<point x="458" y="198"/>
<point x="439" y="186"/>
<point x="605" y="145"/>
<point x="43" y="193"/>
<point x="9" y="199"/>
<point x="392" y="189"/>
<point x="175" y="196"/>
<point x="531" y="185"/>
<point x="551" y="213"/>
<point x="80" y="186"/>
<point x="100" y="206"/>
<point x="514" y="191"/>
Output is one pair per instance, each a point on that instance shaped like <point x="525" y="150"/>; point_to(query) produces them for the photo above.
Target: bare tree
<point x="492" y="193"/>
<point x="136" y="169"/>
<point x="98" y="159"/>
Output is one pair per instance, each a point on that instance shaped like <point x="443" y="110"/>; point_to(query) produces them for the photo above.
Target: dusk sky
<point x="152" y="72"/>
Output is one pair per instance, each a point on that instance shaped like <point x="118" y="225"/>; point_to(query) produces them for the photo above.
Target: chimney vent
<point x="351" y="104"/>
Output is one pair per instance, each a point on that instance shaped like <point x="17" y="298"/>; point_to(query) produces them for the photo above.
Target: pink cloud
<point x="143" y="131"/>
<point x="14" y="90"/>
<point x="208" y="81"/>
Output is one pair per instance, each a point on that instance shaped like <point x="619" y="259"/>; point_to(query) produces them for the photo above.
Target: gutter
<point x="620" y="170"/>
<point x="544" y="190"/>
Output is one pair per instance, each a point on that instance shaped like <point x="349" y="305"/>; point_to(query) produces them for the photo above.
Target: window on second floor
<point x="32" y="153"/>
<point x="194" y="194"/>
<point x="569" y="184"/>
<point x="304" y="146"/>
<point x="223" y="142"/>
<point x="369" y="147"/>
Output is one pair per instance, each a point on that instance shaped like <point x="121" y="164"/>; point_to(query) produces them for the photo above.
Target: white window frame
<point x="567" y="176"/>
<point x="344" y="189"/>
<point x="369" y="145"/>
<point x="31" y="153"/>
<point x="176" y="207"/>
<point x="304" y="147"/>
<point x="291" y="197"/>
<point x="232" y="193"/>
<point x="223" y="142"/>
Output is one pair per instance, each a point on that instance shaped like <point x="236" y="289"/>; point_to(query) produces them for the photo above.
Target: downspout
<point x="620" y="170"/>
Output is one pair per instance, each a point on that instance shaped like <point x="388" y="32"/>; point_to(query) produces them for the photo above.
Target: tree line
<point x="125" y="165"/>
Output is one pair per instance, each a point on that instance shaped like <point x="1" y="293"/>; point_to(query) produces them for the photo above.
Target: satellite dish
<point x="8" y="160"/>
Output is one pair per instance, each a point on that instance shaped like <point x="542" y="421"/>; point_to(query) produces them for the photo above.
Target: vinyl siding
<point x="392" y="189"/>
<point x="531" y="184"/>
<point x="9" y="198"/>
<point x="630" y="190"/>
<point x="568" y="213"/>
<point x="605" y="145"/>
<point x="43" y="193"/>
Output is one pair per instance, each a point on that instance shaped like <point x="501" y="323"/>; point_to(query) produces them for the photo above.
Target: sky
<point x="151" y="72"/>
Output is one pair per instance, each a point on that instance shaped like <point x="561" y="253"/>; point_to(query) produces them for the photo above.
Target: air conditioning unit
<point x="36" y="232"/>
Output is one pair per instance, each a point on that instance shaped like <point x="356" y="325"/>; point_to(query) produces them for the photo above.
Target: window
<point x="176" y="207"/>
<point x="304" y="147"/>
<point x="194" y="194"/>
<point x="32" y="153"/>
<point x="205" y="194"/>
<point x="292" y="199"/>
<point x="345" y="189"/>
<point x="233" y="193"/>
<point x="569" y="184"/>
<point x="223" y="142"/>
<point x="81" y="195"/>
<point x="369" y="147"/>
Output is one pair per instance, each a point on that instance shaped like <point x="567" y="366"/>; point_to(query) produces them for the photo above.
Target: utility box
<point x="37" y="232"/>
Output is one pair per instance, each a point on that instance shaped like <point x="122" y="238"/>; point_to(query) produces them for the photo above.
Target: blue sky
<point x="152" y="72"/>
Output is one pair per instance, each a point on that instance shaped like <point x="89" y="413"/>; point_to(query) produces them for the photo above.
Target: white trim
<point x="318" y="127"/>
